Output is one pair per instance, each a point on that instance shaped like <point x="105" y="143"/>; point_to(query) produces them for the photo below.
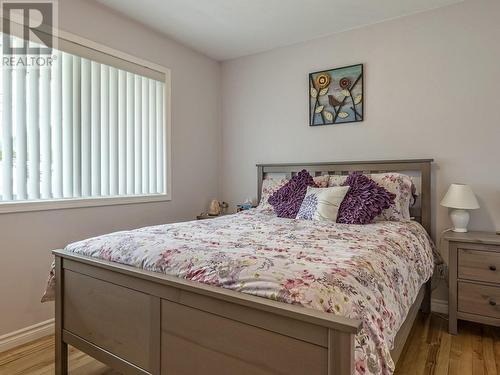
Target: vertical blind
<point x="80" y="129"/>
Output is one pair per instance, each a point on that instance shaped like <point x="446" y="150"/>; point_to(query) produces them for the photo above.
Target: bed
<point x="187" y="298"/>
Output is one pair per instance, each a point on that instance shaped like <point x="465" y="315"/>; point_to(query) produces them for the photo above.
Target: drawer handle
<point x="492" y="302"/>
<point x="493" y="268"/>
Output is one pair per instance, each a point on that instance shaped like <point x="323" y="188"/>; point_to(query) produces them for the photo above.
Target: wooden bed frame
<point x="141" y="322"/>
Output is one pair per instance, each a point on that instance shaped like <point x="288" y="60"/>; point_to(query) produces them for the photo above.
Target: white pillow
<point x="322" y="204"/>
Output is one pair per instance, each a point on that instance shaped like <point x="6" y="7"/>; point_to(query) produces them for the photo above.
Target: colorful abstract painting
<point x="336" y="96"/>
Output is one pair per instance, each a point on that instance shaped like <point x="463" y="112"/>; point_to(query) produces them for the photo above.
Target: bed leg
<point x="340" y="353"/>
<point x="61" y="354"/>
<point x="61" y="357"/>
<point x="426" y="303"/>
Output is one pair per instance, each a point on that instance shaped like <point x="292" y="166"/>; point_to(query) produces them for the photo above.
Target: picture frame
<point x="336" y="96"/>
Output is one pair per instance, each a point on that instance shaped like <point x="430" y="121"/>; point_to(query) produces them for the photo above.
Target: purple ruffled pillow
<point x="286" y="200"/>
<point x="364" y="201"/>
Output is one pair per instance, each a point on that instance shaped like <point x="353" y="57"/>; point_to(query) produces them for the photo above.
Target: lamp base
<point x="460" y="220"/>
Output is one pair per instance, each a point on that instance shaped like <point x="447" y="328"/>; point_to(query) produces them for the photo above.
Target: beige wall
<point x="27" y="238"/>
<point x="431" y="91"/>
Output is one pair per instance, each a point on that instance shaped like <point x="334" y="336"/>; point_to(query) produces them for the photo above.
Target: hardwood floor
<point x="37" y="358"/>
<point x="429" y="350"/>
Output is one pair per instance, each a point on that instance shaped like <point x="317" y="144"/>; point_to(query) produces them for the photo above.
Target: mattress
<point x="368" y="272"/>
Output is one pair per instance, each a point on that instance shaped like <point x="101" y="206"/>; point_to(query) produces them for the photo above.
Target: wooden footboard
<point x="140" y="322"/>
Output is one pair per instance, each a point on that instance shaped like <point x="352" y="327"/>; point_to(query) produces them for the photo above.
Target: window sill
<point x="58" y="204"/>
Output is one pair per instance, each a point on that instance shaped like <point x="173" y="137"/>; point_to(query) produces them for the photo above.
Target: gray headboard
<point x="421" y="211"/>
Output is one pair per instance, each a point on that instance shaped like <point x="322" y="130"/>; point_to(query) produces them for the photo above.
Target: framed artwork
<point x="336" y="96"/>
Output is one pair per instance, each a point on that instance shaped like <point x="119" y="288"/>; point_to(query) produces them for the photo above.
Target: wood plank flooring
<point x="37" y="358"/>
<point x="429" y="350"/>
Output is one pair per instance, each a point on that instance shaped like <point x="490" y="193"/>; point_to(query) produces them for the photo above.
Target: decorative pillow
<point x="322" y="181"/>
<point x="396" y="183"/>
<point x="269" y="186"/>
<point x="364" y="201"/>
<point x="322" y="204"/>
<point x="402" y="186"/>
<point x="337" y="180"/>
<point x="286" y="200"/>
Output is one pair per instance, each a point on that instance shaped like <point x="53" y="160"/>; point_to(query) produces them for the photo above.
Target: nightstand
<point x="474" y="278"/>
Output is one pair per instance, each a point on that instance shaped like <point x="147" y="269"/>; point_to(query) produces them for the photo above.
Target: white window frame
<point x="65" y="203"/>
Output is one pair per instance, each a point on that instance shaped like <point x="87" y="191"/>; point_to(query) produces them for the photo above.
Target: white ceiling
<point x="226" y="29"/>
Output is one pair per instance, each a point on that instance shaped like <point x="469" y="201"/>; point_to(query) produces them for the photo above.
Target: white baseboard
<point x="439" y="306"/>
<point x="24" y="335"/>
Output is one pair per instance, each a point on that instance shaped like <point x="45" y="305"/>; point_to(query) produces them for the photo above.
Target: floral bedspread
<point x="369" y="272"/>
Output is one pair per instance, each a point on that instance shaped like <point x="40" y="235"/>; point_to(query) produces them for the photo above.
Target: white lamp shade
<point x="460" y="196"/>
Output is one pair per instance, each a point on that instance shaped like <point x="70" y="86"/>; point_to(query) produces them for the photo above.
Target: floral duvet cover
<point x="368" y="272"/>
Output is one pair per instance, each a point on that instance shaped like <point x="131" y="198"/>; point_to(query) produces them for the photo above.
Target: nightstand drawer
<point x="479" y="299"/>
<point x="479" y="265"/>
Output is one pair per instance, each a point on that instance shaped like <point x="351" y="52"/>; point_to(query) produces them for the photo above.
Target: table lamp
<point x="461" y="198"/>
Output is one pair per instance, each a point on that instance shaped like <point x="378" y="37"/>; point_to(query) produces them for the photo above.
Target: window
<point x="90" y="129"/>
